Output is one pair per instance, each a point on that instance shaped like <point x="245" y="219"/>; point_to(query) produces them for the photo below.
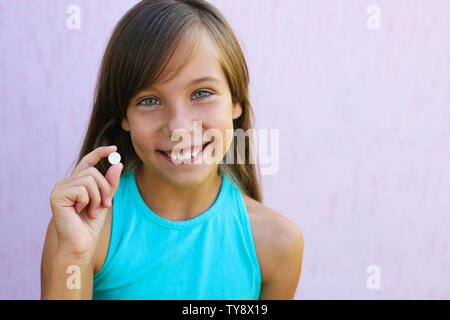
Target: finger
<point x="102" y="184"/>
<point x="79" y="195"/>
<point x="88" y="182"/>
<point x="92" y="158"/>
<point x="69" y="196"/>
<point x="113" y="177"/>
<point x="82" y="199"/>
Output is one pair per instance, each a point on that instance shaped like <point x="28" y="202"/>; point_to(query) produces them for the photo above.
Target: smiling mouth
<point x="184" y="155"/>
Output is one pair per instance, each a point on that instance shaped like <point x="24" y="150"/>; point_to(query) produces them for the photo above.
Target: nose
<point x="179" y="118"/>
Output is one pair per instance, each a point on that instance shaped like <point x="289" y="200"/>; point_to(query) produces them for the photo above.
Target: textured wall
<point x="362" y="101"/>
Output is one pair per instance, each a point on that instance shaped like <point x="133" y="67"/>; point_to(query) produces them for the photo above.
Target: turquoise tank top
<point x="209" y="257"/>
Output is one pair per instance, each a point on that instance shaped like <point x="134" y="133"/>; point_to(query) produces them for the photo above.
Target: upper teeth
<point x="185" y="156"/>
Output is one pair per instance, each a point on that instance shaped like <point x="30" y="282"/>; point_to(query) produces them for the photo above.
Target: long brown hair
<point x="140" y="47"/>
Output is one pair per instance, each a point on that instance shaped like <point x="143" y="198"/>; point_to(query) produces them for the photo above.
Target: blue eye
<point x="203" y="96"/>
<point x="147" y="99"/>
<point x="198" y="95"/>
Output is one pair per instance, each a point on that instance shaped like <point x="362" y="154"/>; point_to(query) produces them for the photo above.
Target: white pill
<point x="114" y="158"/>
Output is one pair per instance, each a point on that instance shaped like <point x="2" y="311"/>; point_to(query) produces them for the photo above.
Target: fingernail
<point x="97" y="212"/>
<point x="109" y="202"/>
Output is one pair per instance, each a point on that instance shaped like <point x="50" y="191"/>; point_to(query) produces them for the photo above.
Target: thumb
<point x="113" y="177"/>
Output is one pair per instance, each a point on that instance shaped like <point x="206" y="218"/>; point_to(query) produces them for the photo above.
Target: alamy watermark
<point x="374" y="20"/>
<point x="73" y="282"/>
<point x="374" y="279"/>
<point x="262" y="147"/>
<point x="74" y="20"/>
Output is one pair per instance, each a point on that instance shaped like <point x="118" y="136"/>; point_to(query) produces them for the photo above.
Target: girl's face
<point x="176" y="105"/>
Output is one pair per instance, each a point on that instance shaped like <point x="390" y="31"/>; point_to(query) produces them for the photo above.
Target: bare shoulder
<point x="275" y="236"/>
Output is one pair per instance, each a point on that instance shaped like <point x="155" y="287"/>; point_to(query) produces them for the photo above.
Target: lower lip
<point x="183" y="162"/>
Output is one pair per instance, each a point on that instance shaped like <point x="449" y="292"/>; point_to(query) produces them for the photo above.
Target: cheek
<point x="221" y="129"/>
<point x="217" y="116"/>
<point x="142" y="135"/>
<point x="220" y="118"/>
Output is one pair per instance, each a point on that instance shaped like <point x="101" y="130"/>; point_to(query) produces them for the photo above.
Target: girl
<point x="178" y="228"/>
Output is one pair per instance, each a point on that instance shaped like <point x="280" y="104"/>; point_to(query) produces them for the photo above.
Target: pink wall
<point x="363" y="115"/>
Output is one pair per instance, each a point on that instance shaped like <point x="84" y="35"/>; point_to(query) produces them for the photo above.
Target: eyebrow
<point x="204" y="79"/>
<point x="194" y="82"/>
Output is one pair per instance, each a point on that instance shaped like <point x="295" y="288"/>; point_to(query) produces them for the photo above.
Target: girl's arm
<point x="79" y="206"/>
<point x="286" y="263"/>
<point x="64" y="276"/>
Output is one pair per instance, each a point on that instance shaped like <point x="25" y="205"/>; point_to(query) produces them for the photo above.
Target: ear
<point x="237" y="110"/>
<point x="125" y="124"/>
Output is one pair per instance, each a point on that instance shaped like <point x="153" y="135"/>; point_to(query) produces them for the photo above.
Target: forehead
<point x="190" y="61"/>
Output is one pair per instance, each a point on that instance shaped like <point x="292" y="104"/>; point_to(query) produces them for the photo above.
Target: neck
<point x="173" y="202"/>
